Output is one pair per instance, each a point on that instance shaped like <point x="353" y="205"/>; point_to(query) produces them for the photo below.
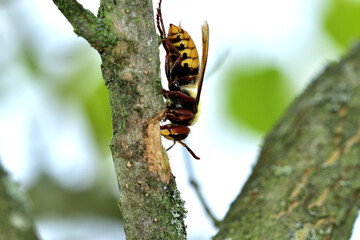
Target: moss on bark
<point x="125" y="37"/>
<point x="306" y="183"/>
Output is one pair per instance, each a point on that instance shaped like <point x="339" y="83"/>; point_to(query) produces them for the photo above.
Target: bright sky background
<point x="274" y="31"/>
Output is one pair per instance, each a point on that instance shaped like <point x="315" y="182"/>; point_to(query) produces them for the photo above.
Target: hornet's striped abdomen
<point x="188" y="70"/>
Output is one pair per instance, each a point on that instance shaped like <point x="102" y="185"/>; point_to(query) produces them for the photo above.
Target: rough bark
<point x="16" y="222"/>
<point x="124" y="35"/>
<point x="306" y="183"/>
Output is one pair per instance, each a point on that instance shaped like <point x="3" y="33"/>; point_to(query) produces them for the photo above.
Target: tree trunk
<point x="124" y="35"/>
<point x="306" y="183"/>
<point x="16" y="222"/>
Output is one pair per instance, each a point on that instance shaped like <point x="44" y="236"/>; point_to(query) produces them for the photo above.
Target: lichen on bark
<point x="124" y="35"/>
<point x="306" y="183"/>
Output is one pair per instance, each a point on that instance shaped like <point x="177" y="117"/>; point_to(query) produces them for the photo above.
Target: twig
<point x="194" y="183"/>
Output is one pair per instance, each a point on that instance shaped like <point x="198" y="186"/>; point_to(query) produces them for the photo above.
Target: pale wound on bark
<point x="157" y="161"/>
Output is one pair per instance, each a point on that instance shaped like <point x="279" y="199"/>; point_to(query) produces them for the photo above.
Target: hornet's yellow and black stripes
<point x="188" y="70"/>
<point x="183" y="71"/>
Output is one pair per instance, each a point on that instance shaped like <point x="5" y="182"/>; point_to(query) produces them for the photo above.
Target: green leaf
<point x="84" y="85"/>
<point x="256" y="97"/>
<point x="97" y="109"/>
<point x="342" y="21"/>
<point x="31" y="61"/>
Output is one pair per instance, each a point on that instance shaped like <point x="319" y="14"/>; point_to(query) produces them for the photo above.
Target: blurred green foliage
<point x="30" y="59"/>
<point x="342" y="21"/>
<point x="70" y="72"/>
<point x="49" y="197"/>
<point x="74" y="78"/>
<point x="84" y="85"/>
<point x="97" y="109"/>
<point x="256" y="96"/>
<point x="65" y="75"/>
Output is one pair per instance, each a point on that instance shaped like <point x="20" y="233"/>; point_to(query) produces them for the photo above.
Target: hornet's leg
<point x="171" y="146"/>
<point x="190" y="151"/>
<point x="159" y="21"/>
<point x="169" y="46"/>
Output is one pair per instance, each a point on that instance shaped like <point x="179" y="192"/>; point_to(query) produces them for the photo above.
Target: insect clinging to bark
<point x="183" y="72"/>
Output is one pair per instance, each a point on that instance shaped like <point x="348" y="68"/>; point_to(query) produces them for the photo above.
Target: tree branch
<point x="85" y="23"/>
<point x="15" y="221"/>
<point x="124" y="35"/>
<point x="306" y="183"/>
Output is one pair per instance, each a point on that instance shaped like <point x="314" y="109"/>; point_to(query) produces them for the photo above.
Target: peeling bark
<point x="306" y="183"/>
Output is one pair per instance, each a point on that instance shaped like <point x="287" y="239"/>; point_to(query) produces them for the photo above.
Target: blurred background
<point x="55" y="125"/>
